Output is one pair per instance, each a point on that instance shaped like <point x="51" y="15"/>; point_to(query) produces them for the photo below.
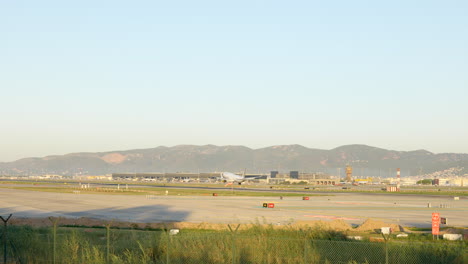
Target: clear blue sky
<point x="113" y="75"/>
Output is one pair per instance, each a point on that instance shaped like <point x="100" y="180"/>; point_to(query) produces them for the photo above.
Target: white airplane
<point x="231" y="178"/>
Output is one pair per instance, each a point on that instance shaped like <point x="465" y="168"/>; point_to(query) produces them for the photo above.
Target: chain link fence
<point x="105" y="245"/>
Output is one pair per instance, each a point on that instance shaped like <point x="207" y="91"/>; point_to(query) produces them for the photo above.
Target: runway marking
<point x="332" y="217"/>
<point x="349" y="203"/>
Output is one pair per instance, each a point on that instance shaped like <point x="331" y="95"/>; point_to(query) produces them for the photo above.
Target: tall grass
<point x="258" y="244"/>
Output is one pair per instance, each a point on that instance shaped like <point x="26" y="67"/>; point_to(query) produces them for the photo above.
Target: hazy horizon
<point x="101" y="76"/>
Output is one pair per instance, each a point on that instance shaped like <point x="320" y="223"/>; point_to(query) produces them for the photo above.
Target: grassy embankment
<point x="258" y="244"/>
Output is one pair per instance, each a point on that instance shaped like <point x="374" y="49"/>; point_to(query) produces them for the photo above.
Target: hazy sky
<point x="113" y="75"/>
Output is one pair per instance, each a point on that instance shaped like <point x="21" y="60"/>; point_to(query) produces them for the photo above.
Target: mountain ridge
<point x="235" y="157"/>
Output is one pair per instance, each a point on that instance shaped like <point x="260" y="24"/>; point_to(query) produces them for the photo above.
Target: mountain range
<point x="365" y="160"/>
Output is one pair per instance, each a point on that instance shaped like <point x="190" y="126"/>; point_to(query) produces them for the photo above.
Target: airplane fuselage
<point x="232" y="177"/>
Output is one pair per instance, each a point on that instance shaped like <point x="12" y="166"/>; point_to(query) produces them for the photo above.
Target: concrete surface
<point x="354" y="208"/>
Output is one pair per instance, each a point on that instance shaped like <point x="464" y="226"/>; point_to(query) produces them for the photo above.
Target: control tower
<point x="349" y="171"/>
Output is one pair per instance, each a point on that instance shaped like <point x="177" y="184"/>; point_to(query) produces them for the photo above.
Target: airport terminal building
<point x="274" y="177"/>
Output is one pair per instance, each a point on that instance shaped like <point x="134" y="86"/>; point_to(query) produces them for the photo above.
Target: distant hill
<point x="366" y="161"/>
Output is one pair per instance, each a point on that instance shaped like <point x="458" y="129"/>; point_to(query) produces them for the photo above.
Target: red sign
<point x="435" y="223"/>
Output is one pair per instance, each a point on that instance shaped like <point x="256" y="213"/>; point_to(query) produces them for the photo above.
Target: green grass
<point x="461" y="192"/>
<point x="259" y="244"/>
<point x="56" y="185"/>
<point x="158" y="191"/>
<point x="420" y="229"/>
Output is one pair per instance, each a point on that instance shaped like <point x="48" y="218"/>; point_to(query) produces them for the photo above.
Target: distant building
<point x="273" y="174"/>
<point x="294" y="174"/>
<point x="322" y="182"/>
<point x="458" y="182"/>
<point x="313" y="176"/>
<point x="92" y="177"/>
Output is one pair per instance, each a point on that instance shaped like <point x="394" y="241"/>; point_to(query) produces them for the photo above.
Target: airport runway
<point x="354" y="208"/>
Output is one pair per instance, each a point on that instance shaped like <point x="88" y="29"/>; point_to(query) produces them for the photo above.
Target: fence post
<point x="233" y="236"/>
<point x="386" y="252"/>
<point x="386" y="247"/>
<point x="108" y="242"/>
<point x="5" y="230"/>
<point x="168" y="244"/>
<point x="305" y="245"/>
<point x="54" y="221"/>
<point x="305" y="251"/>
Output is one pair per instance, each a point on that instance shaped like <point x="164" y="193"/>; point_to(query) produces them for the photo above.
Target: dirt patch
<point x="47" y="222"/>
<point x="337" y="225"/>
<point x="91" y="222"/>
<point x="372" y="225"/>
